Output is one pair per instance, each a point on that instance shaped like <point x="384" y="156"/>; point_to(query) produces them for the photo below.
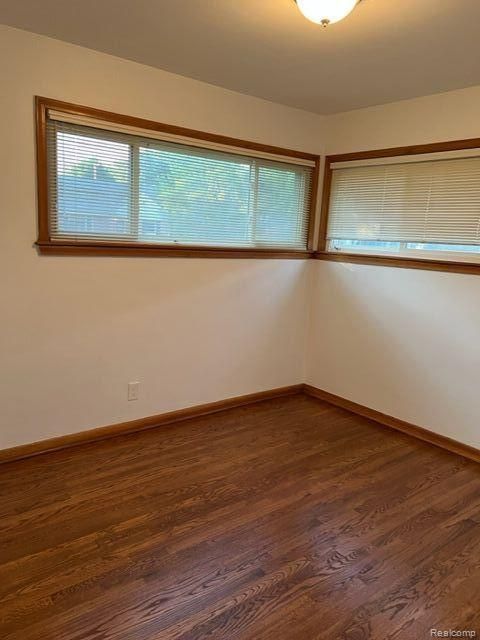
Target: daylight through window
<point x="113" y="186"/>
<point x="421" y="206"/>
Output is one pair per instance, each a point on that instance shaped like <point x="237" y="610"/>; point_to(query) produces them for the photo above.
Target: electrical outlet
<point x="133" y="390"/>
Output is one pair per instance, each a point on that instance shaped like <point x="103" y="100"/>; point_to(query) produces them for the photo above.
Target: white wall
<point x="74" y="331"/>
<point x="404" y="342"/>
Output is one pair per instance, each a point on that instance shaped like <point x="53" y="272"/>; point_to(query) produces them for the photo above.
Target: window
<point x="423" y="206"/>
<point x="117" y="185"/>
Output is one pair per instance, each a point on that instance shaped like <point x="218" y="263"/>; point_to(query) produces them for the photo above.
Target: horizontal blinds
<point x="168" y="137"/>
<point x="434" y="201"/>
<point x="112" y="186"/>
<point x="408" y="159"/>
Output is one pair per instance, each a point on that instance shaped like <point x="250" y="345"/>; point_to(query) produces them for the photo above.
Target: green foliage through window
<point x="107" y="185"/>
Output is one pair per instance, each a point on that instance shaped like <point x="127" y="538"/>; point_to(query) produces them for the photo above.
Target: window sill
<point x="401" y="262"/>
<point x="161" y="251"/>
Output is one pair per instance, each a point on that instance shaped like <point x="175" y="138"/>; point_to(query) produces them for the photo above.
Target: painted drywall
<point x="444" y="116"/>
<point x="75" y="331"/>
<point x="404" y="342"/>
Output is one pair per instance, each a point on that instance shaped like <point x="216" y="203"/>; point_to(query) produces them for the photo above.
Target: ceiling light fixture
<point x="326" y="12"/>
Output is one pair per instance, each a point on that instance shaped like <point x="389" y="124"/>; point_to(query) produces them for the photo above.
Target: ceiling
<point x="386" y="50"/>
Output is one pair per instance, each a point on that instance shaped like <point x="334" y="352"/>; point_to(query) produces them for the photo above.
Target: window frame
<point x="48" y="246"/>
<point x="419" y="260"/>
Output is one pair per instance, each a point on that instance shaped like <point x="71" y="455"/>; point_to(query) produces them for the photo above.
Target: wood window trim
<point x="57" y="248"/>
<point x="47" y="246"/>
<point x="430" y="264"/>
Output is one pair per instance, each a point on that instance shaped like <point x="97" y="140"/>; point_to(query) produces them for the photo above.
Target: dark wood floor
<point x="287" y="520"/>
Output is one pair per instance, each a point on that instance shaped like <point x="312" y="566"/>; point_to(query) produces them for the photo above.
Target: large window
<point x="423" y="206"/>
<point x="116" y="185"/>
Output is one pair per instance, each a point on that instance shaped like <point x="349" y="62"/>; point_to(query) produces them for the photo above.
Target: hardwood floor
<point x="286" y="520"/>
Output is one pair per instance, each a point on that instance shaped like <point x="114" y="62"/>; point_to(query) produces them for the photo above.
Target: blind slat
<point x="115" y="186"/>
<point x="436" y="201"/>
<point x="90" y="122"/>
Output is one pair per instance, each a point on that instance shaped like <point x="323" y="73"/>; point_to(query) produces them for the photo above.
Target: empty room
<point x="240" y="319"/>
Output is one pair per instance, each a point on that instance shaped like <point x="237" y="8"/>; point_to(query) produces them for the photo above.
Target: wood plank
<point x="149" y="422"/>
<point x="288" y="519"/>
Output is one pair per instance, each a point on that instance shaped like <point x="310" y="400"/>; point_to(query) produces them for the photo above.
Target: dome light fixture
<point x="326" y="12"/>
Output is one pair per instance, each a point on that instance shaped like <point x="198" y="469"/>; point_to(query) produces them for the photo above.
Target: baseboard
<point x="150" y="422"/>
<point x="395" y="423"/>
<point x="110" y="431"/>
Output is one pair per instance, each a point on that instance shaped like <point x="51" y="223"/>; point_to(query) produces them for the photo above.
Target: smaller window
<point x="112" y="184"/>
<point x="424" y="206"/>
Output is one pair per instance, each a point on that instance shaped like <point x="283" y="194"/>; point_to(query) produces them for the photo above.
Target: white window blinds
<point x="119" y="186"/>
<point x="433" y="200"/>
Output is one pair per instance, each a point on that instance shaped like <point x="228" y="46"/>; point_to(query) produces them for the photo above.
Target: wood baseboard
<point x="110" y="431"/>
<point x="132" y="426"/>
<point x="395" y="423"/>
